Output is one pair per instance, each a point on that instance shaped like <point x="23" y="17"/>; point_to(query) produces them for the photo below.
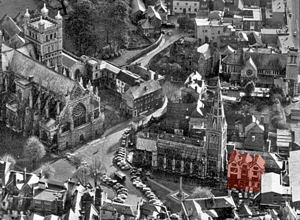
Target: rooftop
<point x="48" y="195"/>
<point x="271" y="182"/>
<point x="42" y="21"/>
<point x="252" y="14"/>
<point x="144" y="88"/>
<point x="294" y="164"/>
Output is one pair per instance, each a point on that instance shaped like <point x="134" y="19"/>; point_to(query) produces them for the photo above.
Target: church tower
<point x="45" y="34"/>
<point x="216" y="136"/>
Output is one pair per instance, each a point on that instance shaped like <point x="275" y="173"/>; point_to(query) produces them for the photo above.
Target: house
<point x="207" y="31"/>
<point x="294" y="173"/>
<point x="273" y="193"/>
<point x="255" y="136"/>
<point x="283" y="142"/>
<point x="209" y="56"/>
<point x="219" y="5"/>
<point x="185" y="7"/>
<point x="152" y="23"/>
<point x="145" y="148"/>
<point x="112" y="210"/>
<point x="245" y="171"/>
<point x="221" y="207"/>
<point x="295" y="114"/>
<point x="252" y="19"/>
<point x="142" y="98"/>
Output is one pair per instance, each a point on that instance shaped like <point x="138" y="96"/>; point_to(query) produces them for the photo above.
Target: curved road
<point x="166" y="42"/>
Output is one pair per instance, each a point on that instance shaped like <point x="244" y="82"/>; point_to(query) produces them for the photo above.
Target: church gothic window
<point x="79" y="115"/>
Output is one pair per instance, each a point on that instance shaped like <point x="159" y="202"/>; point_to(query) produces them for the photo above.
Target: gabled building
<point x="245" y="171"/>
<point x="222" y="207"/>
<point x="142" y="98"/>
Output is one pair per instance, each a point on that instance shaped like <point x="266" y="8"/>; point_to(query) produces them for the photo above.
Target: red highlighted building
<point x="245" y="171"/>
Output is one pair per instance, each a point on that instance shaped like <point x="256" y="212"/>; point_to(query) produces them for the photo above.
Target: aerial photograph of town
<point x="149" y="109"/>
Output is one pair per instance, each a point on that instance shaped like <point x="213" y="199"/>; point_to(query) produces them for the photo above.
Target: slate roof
<point x="205" y="50"/>
<point x="48" y="78"/>
<point x="16" y="41"/>
<point x="9" y="26"/>
<point x="263" y="61"/>
<point x="144" y="88"/>
<point x="68" y="60"/>
<point x="122" y="209"/>
<point x="128" y="77"/>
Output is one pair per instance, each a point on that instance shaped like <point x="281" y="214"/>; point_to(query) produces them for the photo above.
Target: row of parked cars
<point x="121" y="154"/>
<point x="135" y="176"/>
<point x="121" y="190"/>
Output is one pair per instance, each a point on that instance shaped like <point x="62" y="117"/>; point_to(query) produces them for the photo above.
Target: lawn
<point x="13" y="7"/>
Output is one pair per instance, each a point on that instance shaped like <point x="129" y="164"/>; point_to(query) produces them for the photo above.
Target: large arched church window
<point x="79" y="115"/>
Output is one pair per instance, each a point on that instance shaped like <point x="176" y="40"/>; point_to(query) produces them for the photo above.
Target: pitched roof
<point x="25" y="66"/>
<point x="10" y="26"/>
<point x="122" y="209"/>
<point x="68" y="60"/>
<point x="152" y="12"/>
<point x="144" y="88"/>
<point x="205" y="50"/>
<point x="128" y="77"/>
<point x="16" y="41"/>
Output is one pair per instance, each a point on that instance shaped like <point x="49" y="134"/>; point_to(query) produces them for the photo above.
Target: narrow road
<point x="166" y="42"/>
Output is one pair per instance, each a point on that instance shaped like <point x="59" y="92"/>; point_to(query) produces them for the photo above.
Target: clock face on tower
<point x="249" y="72"/>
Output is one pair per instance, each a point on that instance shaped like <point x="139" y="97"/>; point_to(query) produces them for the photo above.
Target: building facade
<point x="245" y="171"/>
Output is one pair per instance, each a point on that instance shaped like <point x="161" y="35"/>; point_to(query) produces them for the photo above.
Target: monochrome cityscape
<point x="149" y="109"/>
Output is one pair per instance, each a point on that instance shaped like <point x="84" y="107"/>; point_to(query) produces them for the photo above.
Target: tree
<point x="96" y="169"/>
<point x="82" y="174"/>
<point x="34" y="150"/>
<point x="202" y="192"/>
<point x="80" y="25"/>
<point x="9" y="158"/>
<point x="47" y="170"/>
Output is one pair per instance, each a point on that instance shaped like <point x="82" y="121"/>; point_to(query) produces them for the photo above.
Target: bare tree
<point x="34" y="150"/>
<point x="82" y="174"/>
<point x="201" y="192"/>
<point x="96" y="169"/>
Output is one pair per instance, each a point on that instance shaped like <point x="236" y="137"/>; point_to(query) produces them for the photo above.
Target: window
<point x="47" y="37"/>
<point x="51" y="36"/>
<point x="177" y="3"/>
<point x="48" y="49"/>
<point x="54" y="35"/>
<point x="186" y="3"/>
<point x="79" y="115"/>
<point x="195" y="4"/>
<point x="195" y="10"/>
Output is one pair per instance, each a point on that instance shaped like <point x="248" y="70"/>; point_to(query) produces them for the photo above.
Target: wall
<point x="145" y="51"/>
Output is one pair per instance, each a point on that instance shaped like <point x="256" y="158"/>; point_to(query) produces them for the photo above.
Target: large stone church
<point x="35" y="97"/>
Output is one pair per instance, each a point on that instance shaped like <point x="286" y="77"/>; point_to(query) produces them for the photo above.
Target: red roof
<point x="250" y="159"/>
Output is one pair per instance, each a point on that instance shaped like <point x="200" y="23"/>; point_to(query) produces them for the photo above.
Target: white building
<point x="185" y="7"/>
<point x="210" y="30"/>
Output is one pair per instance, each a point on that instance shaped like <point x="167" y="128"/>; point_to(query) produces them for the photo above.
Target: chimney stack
<point x="24" y="174"/>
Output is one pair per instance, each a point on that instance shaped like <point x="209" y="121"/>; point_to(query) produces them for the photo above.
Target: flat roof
<point x="44" y="21"/>
<point x="255" y="15"/>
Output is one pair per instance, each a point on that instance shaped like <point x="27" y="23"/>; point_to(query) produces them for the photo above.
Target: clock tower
<point x="216" y="136"/>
